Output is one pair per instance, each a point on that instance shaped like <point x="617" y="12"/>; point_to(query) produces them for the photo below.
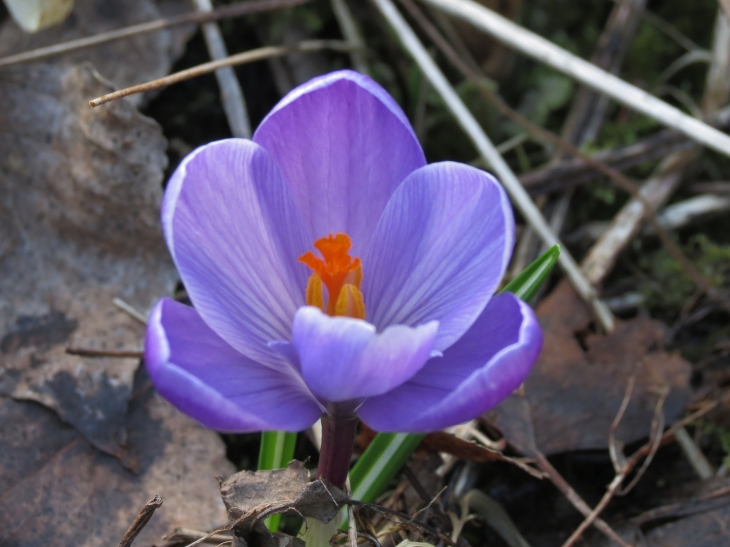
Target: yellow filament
<point x="315" y="295"/>
<point x="350" y="302"/>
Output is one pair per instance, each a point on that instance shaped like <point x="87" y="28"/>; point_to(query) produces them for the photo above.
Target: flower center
<point x="339" y="272"/>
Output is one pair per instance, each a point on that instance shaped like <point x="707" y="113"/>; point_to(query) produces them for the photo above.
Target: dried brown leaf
<point x="58" y="489"/>
<point x="79" y="226"/>
<point x="248" y="494"/>
<point x="580" y="379"/>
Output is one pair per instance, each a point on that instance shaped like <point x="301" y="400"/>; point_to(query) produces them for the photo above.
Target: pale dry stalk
<point x="234" y="104"/>
<point x="588" y="74"/>
<point x="490" y="154"/>
<point x="351" y="31"/>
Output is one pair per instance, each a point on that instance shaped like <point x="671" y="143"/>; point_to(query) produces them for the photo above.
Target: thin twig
<point x="696" y="504"/>
<point x="573" y="497"/>
<point x="588" y="74"/>
<point x="234" y="105"/>
<point x="351" y="524"/>
<point x="185" y="535"/>
<point x="711" y="187"/>
<point x="670" y="30"/>
<point x="144" y="516"/>
<point x="88" y="352"/>
<point x="725" y="5"/>
<point x="602" y="256"/>
<point x="351" y="32"/>
<point x="657" y="426"/>
<point x="236" y="10"/>
<point x="669" y="434"/>
<point x="406" y="519"/>
<point x="238" y="59"/>
<point x="597" y="510"/>
<point x="471" y="429"/>
<point x="260" y="512"/>
<point x="674" y="216"/>
<point x="575" y="171"/>
<point x="494" y="515"/>
<point x="694" y="455"/>
<point x="129" y="310"/>
<point x="614" y="450"/>
<point x="464" y="449"/>
<point x="485" y="147"/>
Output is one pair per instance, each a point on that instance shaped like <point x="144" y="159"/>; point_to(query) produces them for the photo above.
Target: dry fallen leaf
<point x="79" y="226"/>
<point x="278" y="491"/>
<point x="579" y="381"/>
<point x="250" y="496"/>
<point x="57" y="489"/>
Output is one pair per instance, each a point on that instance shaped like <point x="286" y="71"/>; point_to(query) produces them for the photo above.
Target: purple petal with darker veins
<point x="344" y="145"/>
<point x="346" y="359"/>
<point x="489" y="362"/>
<point x="204" y="377"/>
<point x="235" y="234"/>
<point x="439" y="250"/>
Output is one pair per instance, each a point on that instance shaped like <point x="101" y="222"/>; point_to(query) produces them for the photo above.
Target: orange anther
<point x="335" y="269"/>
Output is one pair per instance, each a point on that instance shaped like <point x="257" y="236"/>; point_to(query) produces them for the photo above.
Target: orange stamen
<point x="336" y="269"/>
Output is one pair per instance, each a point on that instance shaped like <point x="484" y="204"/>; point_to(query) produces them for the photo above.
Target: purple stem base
<point x="338" y="438"/>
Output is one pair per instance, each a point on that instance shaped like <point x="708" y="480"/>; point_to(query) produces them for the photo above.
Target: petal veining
<point x="342" y="358"/>
<point x="207" y="379"/>
<point x="235" y="234"/>
<point x="439" y="250"/>
<point x="481" y="369"/>
<point x="344" y="145"/>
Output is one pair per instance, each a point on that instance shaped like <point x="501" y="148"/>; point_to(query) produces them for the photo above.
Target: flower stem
<point x="339" y="426"/>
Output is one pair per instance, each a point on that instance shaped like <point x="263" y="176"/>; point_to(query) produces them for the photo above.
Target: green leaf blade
<point x="528" y="282"/>
<point x="380" y="462"/>
<point x="277" y="450"/>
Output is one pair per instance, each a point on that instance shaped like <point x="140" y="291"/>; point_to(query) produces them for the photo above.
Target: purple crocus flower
<point x="394" y="319"/>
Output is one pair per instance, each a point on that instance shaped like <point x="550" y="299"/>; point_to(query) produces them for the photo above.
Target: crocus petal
<point x="439" y="250"/>
<point x="344" y="145"/>
<point x="344" y="359"/>
<point x="235" y="234"/>
<point x="489" y="362"/>
<point x="207" y="379"/>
